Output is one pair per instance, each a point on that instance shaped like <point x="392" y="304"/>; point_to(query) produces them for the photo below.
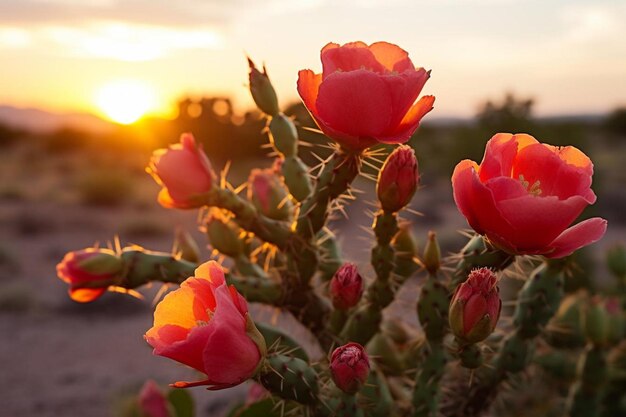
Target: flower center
<point x="534" y="189"/>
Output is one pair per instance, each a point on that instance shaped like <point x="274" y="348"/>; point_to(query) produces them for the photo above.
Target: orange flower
<point x="205" y="324"/>
<point x="525" y="194"/>
<point x="365" y="94"/>
<point x="184" y="171"/>
<point x="89" y="272"/>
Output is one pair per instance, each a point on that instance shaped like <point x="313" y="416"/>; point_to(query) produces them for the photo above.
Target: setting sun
<point x="125" y="101"/>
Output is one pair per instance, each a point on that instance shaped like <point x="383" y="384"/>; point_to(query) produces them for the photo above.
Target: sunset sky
<point x="70" y="55"/>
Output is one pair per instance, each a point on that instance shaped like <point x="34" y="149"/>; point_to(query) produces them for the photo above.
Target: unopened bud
<point x="89" y="272"/>
<point x="268" y="194"/>
<point x="475" y="307"/>
<point x="262" y="91"/>
<point x="185" y="246"/>
<point x="224" y="235"/>
<point x="616" y="260"/>
<point x="283" y="135"/>
<point x="432" y="254"/>
<point x="604" y="321"/>
<point x="349" y="367"/>
<point x="346" y="287"/>
<point x="152" y="401"/>
<point x="398" y="179"/>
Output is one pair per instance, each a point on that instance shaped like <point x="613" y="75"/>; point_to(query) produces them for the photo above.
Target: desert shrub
<point x="104" y="188"/>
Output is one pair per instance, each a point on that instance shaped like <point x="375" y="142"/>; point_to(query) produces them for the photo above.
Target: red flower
<point x="205" y="324"/>
<point x="346" y="287"/>
<point x="525" y="194"/>
<point x="184" y="171"/>
<point x="89" y="272"/>
<point x="475" y="306"/>
<point x="365" y="94"/>
<point x="398" y="179"/>
<point x="349" y="367"/>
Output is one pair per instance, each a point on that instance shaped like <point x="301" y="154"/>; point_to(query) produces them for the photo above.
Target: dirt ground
<point x="63" y="359"/>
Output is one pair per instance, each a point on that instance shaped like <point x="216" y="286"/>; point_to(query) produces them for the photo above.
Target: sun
<point x="125" y="101"/>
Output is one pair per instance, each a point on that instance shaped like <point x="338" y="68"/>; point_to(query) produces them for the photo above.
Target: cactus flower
<point x="475" y="306"/>
<point x="89" y="272"/>
<point x="268" y="194"/>
<point x="184" y="171"/>
<point x="398" y="179"/>
<point x="365" y="94"/>
<point x="152" y="401"/>
<point x="346" y="287"/>
<point x="349" y="367"/>
<point x="524" y="195"/>
<point x="205" y="324"/>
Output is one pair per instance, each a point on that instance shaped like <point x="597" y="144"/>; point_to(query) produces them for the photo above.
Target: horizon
<point x="70" y="56"/>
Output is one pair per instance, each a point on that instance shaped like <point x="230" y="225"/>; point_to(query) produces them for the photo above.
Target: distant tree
<point x="616" y="122"/>
<point x="510" y="115"/>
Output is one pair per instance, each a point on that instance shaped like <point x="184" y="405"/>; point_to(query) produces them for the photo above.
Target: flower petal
<point x="537" y="221"/>
<point x="410" y="122"/>
<point x="476" y="202"/>
<point x="541" y="164"/>
<point x="349" y="57"/>
<point x="356" y="102"/>
<point x="404" y="89"/>
<point x="86" y="295"/>
<point x="578" y="236"/>
<point x="391" y="56"/>
<point x="308" y="87"/>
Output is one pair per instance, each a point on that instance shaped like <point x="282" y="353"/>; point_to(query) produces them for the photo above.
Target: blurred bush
<point x="105" y="188"/>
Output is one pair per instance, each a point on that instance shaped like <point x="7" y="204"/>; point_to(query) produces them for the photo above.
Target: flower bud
<point x="398" y="179"/>
<point x="604" y="321"/>
<point x="475" y="307"/>
<point x="89" y="272"/>
<point x="225" y="236"/>
<point x="184" y="171"/>
<point x="346" y="287"/>
<point x="349" y="367"/>
<point x="152" y="401"/>
<point x="616" y="260"/>
<point x="432" y="254"/>
<point x="268" y="194"/>
<point x="262" y="91"/>
<point x="185" y="246"/>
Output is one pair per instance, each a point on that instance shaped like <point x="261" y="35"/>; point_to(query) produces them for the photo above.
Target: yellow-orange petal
<point x="391" y="56"/>
<point x="211" y="271"/>
<point x="86" y="295"/>
<point x="308" y="88"/>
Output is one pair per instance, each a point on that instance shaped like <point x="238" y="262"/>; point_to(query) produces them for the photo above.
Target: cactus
<point x="290" y="378"/>
<point x="279" y="249"/>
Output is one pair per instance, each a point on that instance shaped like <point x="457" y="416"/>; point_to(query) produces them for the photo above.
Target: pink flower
<point x="365" y="94"/>
<point x="346" y="287"/>
<point x="89" y="272"/>
<point x="349" y="367"/>
<point x="184" y="171"/>
<point x="152" y="402"/>
<point x="205" y="324"/>
<point x="398" y="179"/>
<point x="475" y="306"/>
<point x="525" y="194"/>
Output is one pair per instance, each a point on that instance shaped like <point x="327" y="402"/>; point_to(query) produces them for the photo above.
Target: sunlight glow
<point x="125" y="101"/>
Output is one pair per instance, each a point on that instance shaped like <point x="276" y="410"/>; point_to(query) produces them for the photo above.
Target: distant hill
<point x="41" y="121"/>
